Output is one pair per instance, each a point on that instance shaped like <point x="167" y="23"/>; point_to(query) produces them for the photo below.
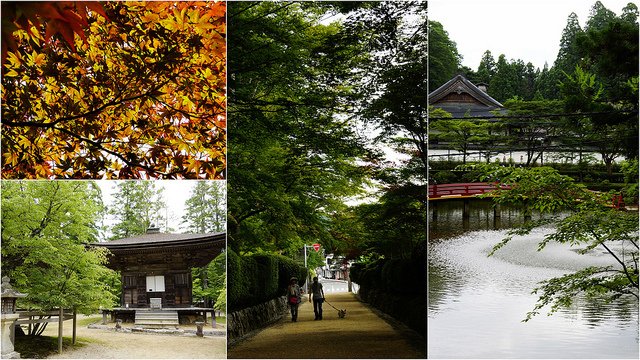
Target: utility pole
<point x="306" y="281"/>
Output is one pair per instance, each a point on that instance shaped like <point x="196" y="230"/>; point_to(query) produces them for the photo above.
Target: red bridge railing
<point x="462" y="189"/>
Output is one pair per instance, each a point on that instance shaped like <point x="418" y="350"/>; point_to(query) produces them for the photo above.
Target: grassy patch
<point x="221" y="319"/>
<point x="40" y="347"/>
<point x="89" y="320"/>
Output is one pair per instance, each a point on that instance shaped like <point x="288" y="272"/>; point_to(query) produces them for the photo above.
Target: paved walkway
<point x="361" y="334"/>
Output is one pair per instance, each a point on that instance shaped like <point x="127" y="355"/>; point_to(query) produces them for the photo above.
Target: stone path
<point x="360" y="335"/>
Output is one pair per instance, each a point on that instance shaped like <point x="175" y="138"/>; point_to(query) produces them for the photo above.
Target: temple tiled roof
<point x="461" y="98"/>
<point x="157" y="239"/>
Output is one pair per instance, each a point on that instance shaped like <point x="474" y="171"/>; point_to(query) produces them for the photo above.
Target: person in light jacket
<point x="294" y="297"/>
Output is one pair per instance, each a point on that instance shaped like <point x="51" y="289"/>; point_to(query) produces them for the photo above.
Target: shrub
<point x="258" y="278"/>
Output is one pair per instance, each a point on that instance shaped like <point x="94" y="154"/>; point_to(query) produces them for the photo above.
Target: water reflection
<point x="476" y="303"/>
<point x="446" y="217"/>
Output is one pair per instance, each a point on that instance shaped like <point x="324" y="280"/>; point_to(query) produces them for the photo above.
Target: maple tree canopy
<point x="122" y="90"/>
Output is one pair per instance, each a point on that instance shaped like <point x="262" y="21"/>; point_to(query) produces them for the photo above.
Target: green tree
<point x="209" y="282"/>
<point x="599" y="17"/>
<point x="45" y="229"/>
<point x="444" y="59"/>
<point x="295" y="84"/>
<point x="206" y="207"/>
<point x="136" y="207"/>
<point x="400" y="109"/>
<point x="533" y="135"/>
<point x="487" y="68"/>
<point x="609" y="48"/>
<point x="206" y="210"/>
<point x="462" y="135"/>
<point x="569" y="55"/>
<point x="546" y="87"/>
<point x="589" y="224"/>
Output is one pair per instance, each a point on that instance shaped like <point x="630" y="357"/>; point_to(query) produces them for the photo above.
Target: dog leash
<point x="331" y="305"/>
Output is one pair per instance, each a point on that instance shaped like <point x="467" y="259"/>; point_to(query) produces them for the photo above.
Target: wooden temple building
<point x="156" y="279"/>
<point x="461" y="98"/>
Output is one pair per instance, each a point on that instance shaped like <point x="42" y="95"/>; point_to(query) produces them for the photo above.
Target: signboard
<point x="316" y="247"/>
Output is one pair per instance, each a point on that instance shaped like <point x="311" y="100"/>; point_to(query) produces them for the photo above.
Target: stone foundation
<point x="242" y="322"/>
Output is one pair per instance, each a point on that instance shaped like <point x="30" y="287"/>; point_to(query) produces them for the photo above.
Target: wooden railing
<point x="462" y="189"/>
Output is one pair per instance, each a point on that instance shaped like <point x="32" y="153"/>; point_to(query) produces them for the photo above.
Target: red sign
<point x="316" y="247"/>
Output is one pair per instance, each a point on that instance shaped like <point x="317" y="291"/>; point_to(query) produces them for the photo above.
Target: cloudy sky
<point x="520" y="29"/>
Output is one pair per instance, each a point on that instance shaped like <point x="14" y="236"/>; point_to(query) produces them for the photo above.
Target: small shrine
<point x="156" y="279"/>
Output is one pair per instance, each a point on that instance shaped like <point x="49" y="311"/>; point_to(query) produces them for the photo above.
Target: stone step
<point x="157" y="318"/>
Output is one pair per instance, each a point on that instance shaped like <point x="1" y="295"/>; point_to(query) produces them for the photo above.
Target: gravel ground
<point x="108" y="344"/>
<point x="360" y="335"/>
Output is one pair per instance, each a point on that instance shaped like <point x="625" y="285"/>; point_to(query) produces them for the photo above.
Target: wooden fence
<point x="59" y="316"/>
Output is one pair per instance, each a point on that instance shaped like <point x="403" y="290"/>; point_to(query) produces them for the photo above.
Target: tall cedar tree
<point x="137" y="205"/>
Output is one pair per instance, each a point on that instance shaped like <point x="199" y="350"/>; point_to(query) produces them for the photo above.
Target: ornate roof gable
<point x="460" y="85"/>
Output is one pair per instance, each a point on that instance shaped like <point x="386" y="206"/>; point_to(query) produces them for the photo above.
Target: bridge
<point x="467" y="191"/>
<point x="462" y="190"/>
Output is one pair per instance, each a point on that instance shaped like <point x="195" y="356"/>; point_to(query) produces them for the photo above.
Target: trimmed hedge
<point x="397" y="287"/>
<point x="258" y="278"/>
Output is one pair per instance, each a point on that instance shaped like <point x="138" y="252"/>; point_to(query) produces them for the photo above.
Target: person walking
<point x="318" y="298"/>
<point x="293" y="297"/>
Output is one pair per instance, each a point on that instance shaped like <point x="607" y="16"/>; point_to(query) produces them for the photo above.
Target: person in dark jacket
<point x="318" y="298"/>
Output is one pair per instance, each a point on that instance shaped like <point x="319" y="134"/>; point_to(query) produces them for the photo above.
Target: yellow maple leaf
<point x="14" y="60"/>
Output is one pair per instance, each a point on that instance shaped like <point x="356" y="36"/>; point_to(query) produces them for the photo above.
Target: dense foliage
<point x="206" y="207"/>
<point x="136" y="90"/>
<point x="45" y="229"/>
<point x="205" y="213"/>
<point x="293" y="86"/>
<point x="607" y="45"/>
<point x="137" y="206"/>
<point x="398" y="287"/>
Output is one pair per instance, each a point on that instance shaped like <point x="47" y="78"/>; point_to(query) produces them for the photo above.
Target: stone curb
<point x="178" y="332"/>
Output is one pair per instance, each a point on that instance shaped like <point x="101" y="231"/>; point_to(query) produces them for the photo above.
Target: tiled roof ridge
<point x="160" y="238"/>
<point x="453" y="85"/>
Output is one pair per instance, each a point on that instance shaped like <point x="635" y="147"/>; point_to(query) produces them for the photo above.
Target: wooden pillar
<point x="434" y="206"/>
<point x="60" y="321"/>
<point x="466" y="209"/>
<point x="497" y="217"/>
<point x="73" y="339"/>
<point x="527" y="211"/>
<point x="213" y="319"/>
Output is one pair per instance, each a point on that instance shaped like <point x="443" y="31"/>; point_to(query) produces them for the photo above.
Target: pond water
<point x="476" y="302"/>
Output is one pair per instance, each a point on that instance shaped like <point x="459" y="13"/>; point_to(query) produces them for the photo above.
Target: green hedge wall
<point x="395" y="286"/>
<point x="258" y="278"/>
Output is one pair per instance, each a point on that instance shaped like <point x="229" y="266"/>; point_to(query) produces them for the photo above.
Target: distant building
<point x="461" y="98"/>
